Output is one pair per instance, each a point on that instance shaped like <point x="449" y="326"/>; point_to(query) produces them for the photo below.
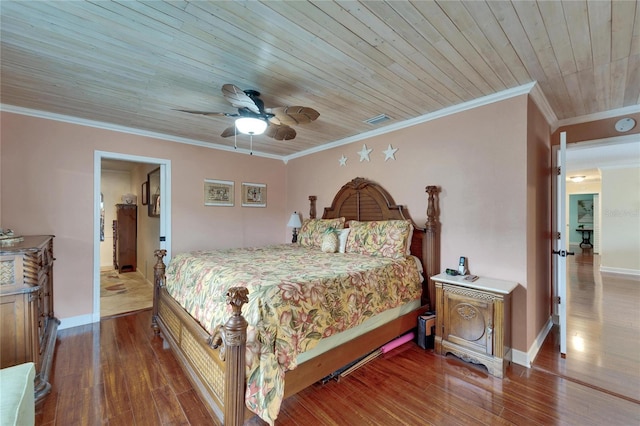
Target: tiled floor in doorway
<point x="123" y="292"/>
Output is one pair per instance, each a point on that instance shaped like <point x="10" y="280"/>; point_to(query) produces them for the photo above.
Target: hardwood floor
<point x="117" y="372"/>
<point x="603" y="330"/>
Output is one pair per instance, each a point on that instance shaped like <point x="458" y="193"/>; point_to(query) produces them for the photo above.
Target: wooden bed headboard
<point x="365" y="200"/>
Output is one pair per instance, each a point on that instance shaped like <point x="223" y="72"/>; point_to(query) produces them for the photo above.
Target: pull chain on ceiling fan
<point x="235" y="142"/>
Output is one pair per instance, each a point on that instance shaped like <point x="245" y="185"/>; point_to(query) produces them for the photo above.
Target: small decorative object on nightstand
<point x="294" y="222"/>
<point x="473" y="320"/>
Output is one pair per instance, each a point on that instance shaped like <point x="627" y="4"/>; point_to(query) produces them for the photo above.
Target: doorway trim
<point x="165" y="212"/>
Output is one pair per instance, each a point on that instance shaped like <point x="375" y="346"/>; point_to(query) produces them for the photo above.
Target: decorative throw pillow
<point x="387" y="238"/>
<point x="330" y="242"/>
<point x="312" y="230"/>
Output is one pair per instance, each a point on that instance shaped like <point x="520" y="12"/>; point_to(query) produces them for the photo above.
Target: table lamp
<point x="294" y="222"/>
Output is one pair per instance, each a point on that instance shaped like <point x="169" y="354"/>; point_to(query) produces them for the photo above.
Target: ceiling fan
<point x="254" y="119"/>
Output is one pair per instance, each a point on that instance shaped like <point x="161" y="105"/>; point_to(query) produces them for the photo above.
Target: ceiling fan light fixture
<point x="251" y="125"/>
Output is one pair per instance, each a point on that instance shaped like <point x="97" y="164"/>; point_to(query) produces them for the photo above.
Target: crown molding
<point x="633" y="109"/>
<point x="129" y="130"/>
<point x="529" y="88"/>
<point x="475" y="103"/>
<point x="538" y="97"/>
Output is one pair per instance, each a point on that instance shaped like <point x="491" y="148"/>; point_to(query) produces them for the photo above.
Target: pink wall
<point x="47" y="188"/>
<point x="539" y="227"/>
<point x="478" y="158"/>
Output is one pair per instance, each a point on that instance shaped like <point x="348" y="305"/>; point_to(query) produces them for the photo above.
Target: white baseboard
<point x="622" y="271"/>
<point x="526" y="358"/>
<point x="77" y="321"/>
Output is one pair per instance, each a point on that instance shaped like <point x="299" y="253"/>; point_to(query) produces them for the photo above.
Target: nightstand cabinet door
<point x="469" y="321"/>
<point x="18" y="331"/>
<point x="473" y="320"/>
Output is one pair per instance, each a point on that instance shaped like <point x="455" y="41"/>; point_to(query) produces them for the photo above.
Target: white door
<point x="561" y="252"/>
<point x="596" y="223"/>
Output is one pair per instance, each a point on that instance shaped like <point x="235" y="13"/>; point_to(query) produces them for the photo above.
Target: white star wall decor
<point x="390" y="153"/>
<point x="364" y="153"/>
<point x="343" y="160"/>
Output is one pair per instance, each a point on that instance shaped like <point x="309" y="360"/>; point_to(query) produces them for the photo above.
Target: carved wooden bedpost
<point x="312" y="206"/>
<point x="234" y="338"/>
<point x="432" y="245"/>
<point x="158" y="283"/>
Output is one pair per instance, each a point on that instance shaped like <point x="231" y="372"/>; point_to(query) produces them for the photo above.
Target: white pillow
<point x="342" y="236"/>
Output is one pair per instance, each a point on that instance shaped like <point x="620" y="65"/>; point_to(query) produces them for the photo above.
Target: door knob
<point x="563" y="253"/>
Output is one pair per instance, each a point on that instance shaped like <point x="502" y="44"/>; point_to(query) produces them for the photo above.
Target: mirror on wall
<point x="153" y="192"/>
<point x="101" y="216"/>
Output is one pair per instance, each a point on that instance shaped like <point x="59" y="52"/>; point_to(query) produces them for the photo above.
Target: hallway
<point x="603" y="324"/>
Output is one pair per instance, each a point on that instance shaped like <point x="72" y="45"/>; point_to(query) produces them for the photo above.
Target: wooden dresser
<point x="473" y="320"/>
<point x="28" y="326"/>
<point x="126" y="237"/>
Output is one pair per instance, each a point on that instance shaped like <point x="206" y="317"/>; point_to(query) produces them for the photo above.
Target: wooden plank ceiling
<point x="133" y="63"/>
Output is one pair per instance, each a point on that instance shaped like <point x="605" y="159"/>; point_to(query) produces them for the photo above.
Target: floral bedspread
<point x="297" y="295"/>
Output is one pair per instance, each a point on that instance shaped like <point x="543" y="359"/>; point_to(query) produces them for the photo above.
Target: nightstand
<point x="473" y="320"/>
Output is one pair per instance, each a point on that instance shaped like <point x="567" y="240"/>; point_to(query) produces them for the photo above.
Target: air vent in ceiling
<point x="377" y="119"/>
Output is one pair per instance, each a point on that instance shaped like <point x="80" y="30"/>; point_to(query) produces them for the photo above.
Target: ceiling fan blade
<point x="229" y="131"/>
<point x="238" y="98"/>
<point x="280" y="132"/>
<point x="292" y="115"/>
<point x="223" y="114"/>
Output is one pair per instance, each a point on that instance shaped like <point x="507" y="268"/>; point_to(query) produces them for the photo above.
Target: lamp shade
<point x="251" y="126"/>
<point x="294" y="221"/>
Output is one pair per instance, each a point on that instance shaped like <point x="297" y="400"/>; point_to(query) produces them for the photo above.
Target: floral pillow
<point x="312" y="230"/>
<point x="386" y="238"/>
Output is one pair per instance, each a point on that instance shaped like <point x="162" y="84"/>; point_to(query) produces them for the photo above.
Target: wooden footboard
<point x="216" y="364"/>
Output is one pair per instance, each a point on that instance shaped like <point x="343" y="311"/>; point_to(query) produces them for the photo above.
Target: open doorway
<point x="127" y="231"/>
<point x="602" y="298"/>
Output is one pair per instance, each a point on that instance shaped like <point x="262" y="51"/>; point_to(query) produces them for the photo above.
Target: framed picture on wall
<point x="218" y="192"/>
<point x="145" y="193"/>
<point x="585" y="211"/>
<point x="254" y="194"/>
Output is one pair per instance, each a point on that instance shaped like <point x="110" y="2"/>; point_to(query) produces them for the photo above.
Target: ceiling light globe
<point x="251" y="125"/>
